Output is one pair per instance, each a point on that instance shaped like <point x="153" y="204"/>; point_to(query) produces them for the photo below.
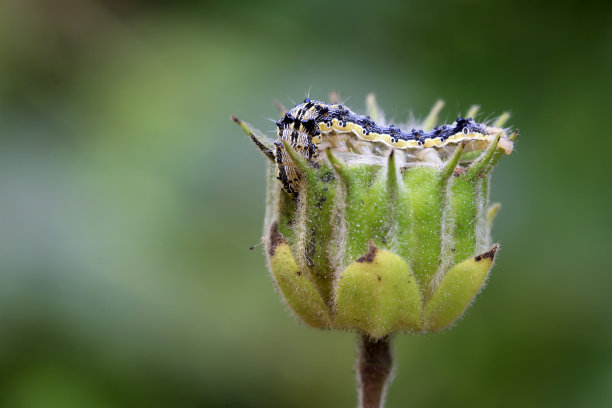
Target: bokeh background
<point x="129" y="200"/>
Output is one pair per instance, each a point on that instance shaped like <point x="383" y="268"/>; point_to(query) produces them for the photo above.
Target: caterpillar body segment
<point x="312" y="125"/>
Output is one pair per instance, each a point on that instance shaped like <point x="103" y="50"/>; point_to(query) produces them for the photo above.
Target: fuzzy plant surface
<point x="361" y="235"/>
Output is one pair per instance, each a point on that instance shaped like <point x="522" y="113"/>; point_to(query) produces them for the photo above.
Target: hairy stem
<point x="374" y="366"/>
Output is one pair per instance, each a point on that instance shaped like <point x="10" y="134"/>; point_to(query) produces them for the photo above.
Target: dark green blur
<point x="129" y="199"/>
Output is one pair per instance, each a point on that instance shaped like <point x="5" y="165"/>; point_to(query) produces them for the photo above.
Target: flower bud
<point x="373" y="228"/>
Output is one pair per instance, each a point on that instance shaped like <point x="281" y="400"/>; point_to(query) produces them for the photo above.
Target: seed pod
<point x="374" y="228"/>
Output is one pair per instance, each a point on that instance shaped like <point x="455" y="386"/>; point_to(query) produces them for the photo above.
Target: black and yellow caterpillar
<point x="312" y="122"/>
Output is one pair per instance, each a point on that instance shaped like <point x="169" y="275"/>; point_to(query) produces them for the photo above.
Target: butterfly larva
<point x="309" y="124"/>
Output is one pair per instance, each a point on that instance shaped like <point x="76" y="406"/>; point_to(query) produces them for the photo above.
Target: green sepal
<point x="368" y="194"/>
<point x="457" y="289"/>
<point x="316" y="212"/>
<point x="432" y="118"/>
<point x="298" y="161"/>
<point x="471" y="113"/>
<point x="481" y="166"/>
<point x="373" y="109"/>
<point x="298" y="291"/>
<point x="378" y="294"/>
<point x="419" y="225"/>
<point x="260" y="141"/>
<point x="463" y="213"/>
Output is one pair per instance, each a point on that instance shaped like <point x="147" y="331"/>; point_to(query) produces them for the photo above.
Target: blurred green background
<point x="129" y="200"/>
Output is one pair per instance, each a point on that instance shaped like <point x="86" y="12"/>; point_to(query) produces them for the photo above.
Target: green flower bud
<point x="368" y="231"/>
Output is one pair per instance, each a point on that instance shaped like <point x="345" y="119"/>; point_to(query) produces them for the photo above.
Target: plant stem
<point x="374" y="366"/>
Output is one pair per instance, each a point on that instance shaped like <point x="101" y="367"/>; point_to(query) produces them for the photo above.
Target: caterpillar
<point x="309" y="125"/>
